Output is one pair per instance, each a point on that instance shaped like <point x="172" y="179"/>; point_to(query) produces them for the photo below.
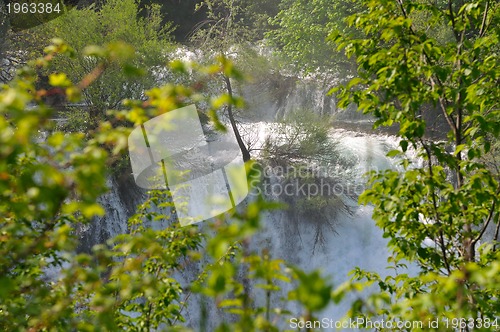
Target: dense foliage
<point x="302" y="28"/>
<point x="50" y="181"/>
<point x="442" y="218"/>
<point x="115" y="23"/>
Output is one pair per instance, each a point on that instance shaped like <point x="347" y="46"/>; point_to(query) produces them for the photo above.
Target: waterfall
<point x="355" y="240"/>
<point x="276" y="96"/>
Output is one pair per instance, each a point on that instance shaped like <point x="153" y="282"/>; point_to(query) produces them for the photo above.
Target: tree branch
<point x="436" y="213"/>
<point x="488" y="220"/>
<point x="483" y="23"/>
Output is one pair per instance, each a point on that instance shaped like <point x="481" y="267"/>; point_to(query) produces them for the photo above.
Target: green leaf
<point x="393" y="153"/>
<point x="404" y="145"/>
<point x="59" y="80"/>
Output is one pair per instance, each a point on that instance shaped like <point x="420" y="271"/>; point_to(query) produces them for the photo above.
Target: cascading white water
<point x="355" y="240"/>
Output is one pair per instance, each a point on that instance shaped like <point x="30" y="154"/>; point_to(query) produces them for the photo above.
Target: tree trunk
<point x="243" y="148"/>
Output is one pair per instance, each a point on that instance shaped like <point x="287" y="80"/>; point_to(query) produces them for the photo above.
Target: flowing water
<point x="354" y="241"/>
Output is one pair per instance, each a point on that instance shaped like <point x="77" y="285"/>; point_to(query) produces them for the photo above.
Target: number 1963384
<point x="33" y="8"/>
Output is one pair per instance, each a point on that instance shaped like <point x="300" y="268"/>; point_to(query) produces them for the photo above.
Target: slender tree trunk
<point x="243" y="148"/>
